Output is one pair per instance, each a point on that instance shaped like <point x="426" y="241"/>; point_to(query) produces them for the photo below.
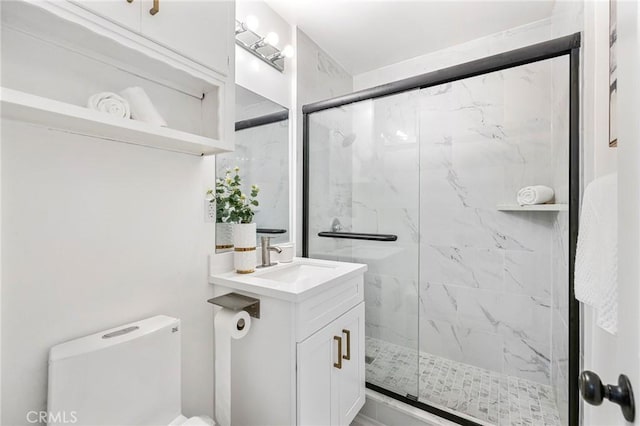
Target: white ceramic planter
<point x="244" y="241"/>
<point x="224" y="236"/>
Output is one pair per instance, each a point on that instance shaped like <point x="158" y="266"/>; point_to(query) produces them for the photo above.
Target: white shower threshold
<point x="382" y="410"/>
<point x="482" y="396"/>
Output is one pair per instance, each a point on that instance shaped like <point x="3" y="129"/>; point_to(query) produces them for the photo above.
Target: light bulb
<point x="402" y="135"/>
<point x="287" y="52"/>
<point x="272" y="39"/>
<point x="252" y="22"/>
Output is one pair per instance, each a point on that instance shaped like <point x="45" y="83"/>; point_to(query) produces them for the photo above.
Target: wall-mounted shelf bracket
<point x="238" y="302"/>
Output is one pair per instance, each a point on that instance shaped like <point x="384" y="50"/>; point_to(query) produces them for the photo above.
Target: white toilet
<point x="128" y="375"/>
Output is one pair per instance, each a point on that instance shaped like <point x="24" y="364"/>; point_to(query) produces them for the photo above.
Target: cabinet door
<point x="350" y="385"/>
<point x="315" y="370"/>
<point x="121" y="12"/>
<point x="202" y="31"/>
<point x="330" y="372"/>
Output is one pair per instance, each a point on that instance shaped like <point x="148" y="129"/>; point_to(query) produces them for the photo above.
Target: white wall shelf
<point x="20" y="106"/>
<point x="533" y="208"/>
<point x="119" y="57"/>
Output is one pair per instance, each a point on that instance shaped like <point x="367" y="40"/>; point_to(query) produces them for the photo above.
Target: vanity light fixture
<point x="251" y="24"/>
<point x="270" y="39"/>
<point x="263" y="48"/>
<point x="287" y="52"/>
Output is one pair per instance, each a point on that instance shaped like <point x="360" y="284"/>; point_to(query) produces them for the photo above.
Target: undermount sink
<point x="293" y="281"/>
<point x="297" y="272"/>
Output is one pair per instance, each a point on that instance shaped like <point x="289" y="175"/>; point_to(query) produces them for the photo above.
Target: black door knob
<point x="594" y="392"/>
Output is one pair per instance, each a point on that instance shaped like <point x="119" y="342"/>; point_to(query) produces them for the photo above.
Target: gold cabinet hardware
<point x="348" y="355"/>
<point x="129" y="1"/>
<point x="338" y="364"/>
<point x="156" y="7"/>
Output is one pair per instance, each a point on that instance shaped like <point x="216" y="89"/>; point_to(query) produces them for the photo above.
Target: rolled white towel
<point x="537" y="194"/>
<point x="142" y="108"/>
<point x="110" y="103"/>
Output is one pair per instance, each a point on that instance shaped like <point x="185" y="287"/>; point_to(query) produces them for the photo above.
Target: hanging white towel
<point x="142" y="108"/>
<point x="596" y="272"/>
<point x="538" y="194"/>
<point x="110" y="103"/>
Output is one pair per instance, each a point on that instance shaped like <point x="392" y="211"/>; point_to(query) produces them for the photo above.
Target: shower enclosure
<point x="469" y="308"/>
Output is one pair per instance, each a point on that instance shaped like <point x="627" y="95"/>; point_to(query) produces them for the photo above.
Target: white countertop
<point x="294" y="281"/>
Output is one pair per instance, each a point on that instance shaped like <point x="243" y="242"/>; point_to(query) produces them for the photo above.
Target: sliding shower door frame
<point x="274" y="117"/>
<point x="568" y="45"/>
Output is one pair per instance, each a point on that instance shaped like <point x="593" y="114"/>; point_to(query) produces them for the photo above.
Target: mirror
<point x="262" y="156"/>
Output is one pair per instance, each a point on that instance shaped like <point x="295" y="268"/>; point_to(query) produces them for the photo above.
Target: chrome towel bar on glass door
<point x="359" y="236"/>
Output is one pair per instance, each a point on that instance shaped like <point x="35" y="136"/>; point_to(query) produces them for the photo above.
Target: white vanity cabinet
<point x="125" y="13"/>
<point x="306" y="351"/>
<point x="330" y="374"/>
<point x="198" y="30"/>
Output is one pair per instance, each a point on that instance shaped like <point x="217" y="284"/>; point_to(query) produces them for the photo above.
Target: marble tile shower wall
<point x="330" y="180"/>
<point x="386" y="200"/>
<point x="560" y="314"/>
<point x="361" y="185"/>
<point x="485" y="280"/>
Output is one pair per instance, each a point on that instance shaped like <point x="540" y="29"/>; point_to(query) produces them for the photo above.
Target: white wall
<point x="628" y="348"/>
<point x="598" y="160"/>
<point x="100" y="234"/>
<point x="1" y="345"/>
<point x="1" y="250"/>
<point x="479" y="48"/>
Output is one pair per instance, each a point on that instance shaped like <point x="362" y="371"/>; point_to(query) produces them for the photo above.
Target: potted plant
<point x="234" y="206"/>
<point x="224" y="228"/>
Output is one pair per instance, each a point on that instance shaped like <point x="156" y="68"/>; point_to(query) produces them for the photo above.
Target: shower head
<point x="347" y="140"/>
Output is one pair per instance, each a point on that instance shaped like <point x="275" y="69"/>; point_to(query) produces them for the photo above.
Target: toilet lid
<point x="199" y="421"/>
<point x="193" y="421"/>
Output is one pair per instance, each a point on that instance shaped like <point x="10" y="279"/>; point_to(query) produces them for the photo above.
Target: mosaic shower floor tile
<point x="483" y="394"/>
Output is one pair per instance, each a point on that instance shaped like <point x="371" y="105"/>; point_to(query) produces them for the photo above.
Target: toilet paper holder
<point x="238" y="302"/>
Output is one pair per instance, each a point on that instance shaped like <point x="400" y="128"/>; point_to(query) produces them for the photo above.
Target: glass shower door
<point x="363" y="178"/>
<point x="467" y="305"/>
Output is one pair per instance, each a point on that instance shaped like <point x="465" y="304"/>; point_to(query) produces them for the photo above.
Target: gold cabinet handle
<point x="156" y="7"/>
<point x="338" y="364"/>
<point x="348" y="355"/>
<point x="129" y="1"/>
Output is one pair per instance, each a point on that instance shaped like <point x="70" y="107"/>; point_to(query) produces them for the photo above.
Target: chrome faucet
<point x="267" y="248"/>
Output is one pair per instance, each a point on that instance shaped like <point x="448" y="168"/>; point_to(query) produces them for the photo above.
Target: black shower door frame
<point x="568" y="45"/>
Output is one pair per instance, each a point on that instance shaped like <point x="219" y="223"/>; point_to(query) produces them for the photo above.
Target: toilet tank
<point x="127" y="375"/>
